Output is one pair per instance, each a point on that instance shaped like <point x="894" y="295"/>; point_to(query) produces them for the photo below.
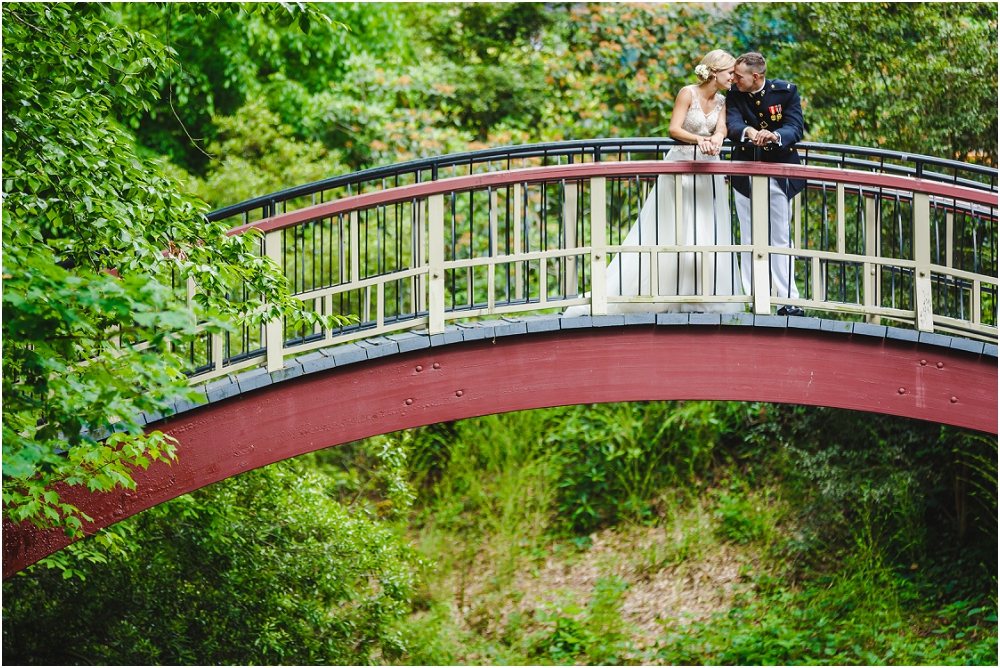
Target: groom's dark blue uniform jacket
<point x="776" y="108"/>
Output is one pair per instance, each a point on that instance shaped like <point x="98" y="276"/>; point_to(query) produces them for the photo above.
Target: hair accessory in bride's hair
<point x="703" y="72"/>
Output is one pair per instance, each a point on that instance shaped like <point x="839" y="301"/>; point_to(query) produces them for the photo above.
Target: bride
<point x="699" y="118"/>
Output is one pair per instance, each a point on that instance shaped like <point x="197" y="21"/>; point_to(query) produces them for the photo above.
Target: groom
<point x="764" y="120"/>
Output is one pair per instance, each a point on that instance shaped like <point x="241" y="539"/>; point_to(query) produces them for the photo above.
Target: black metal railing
<point x="591" y="150"/>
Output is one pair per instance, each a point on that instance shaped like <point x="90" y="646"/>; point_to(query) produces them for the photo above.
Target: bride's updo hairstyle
<point x="714" y="61"/>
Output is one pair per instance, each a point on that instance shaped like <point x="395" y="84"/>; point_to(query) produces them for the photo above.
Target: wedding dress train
<point x="705" y="221"/>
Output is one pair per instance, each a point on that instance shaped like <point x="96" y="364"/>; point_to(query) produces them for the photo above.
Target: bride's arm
<point x="681" y="106"/>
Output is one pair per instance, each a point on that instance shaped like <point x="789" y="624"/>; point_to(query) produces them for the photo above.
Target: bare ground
<point x="678" y="574"/>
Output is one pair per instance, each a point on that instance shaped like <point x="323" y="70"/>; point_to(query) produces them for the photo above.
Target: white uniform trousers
<point x="782" y="267"/>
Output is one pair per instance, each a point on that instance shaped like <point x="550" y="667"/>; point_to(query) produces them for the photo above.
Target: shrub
<point x="259" y="569"/>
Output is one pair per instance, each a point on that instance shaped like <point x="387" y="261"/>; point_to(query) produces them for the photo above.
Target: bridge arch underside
<point x="562" y="367"/>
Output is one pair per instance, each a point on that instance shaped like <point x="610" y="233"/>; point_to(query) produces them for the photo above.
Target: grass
<point x="702" y="543"/>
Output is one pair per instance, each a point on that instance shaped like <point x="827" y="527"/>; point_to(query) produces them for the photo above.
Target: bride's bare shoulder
<point x="684" y="94"/>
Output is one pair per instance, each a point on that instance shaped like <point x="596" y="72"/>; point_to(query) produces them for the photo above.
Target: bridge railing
<point x="870" y="240"/>
<point x="583" y="151"/>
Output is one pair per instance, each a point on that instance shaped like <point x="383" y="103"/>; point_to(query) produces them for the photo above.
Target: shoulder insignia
<point x="772" y="85"/>
<point x="789" y="85"/>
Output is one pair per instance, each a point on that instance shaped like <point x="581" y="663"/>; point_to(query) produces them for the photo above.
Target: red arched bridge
<point x="459" y="285"/>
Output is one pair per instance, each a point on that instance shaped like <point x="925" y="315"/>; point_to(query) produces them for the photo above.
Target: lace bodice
<point x="697" y="121"/>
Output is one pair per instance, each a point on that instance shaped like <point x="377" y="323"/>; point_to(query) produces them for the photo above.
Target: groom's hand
<point x="763" y="137"/>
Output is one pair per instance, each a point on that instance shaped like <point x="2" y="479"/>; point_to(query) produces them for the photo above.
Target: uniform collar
<point x="760" y="91"/>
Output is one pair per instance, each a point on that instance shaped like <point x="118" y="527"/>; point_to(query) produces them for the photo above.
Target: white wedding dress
<point x="705" y="221"/>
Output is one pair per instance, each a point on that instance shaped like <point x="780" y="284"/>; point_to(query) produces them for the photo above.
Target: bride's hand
<point x="716" y="140"/>
<point x="706" y="146"/>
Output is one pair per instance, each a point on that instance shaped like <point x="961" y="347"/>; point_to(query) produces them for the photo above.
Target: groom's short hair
<point x="754" y="62"/>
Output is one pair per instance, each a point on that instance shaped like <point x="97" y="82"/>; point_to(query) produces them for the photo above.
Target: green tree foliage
<point x="916" y="478"/>
<point x="264" y="568"/>
<point x="628" y="61"/>
<point x="382" y="113"/>
<point x="499" y="73"/>
<point x="229" y="54"/>
<point x="254" y="153"/>
<point x="916" y="77"/>
<point x="412" y="80"/>
<point x="473" y="77"/>
<point x="506" y="74"/>
<point x="98" y="247"/>
<point x="424" y="79"/>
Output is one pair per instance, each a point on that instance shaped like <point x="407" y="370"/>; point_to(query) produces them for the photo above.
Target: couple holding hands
<point x="763" y="118"/>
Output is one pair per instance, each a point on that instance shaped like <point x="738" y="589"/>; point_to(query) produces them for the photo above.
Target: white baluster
<point x="273" y="330"/>
<point x="598" y="223"/>
<point x="923" y="295"/>
<point x="435" y="264"/>
<point x="760" y="208"/>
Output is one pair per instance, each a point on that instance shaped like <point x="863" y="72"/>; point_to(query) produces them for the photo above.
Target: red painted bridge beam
<point x="514" y="373"/>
